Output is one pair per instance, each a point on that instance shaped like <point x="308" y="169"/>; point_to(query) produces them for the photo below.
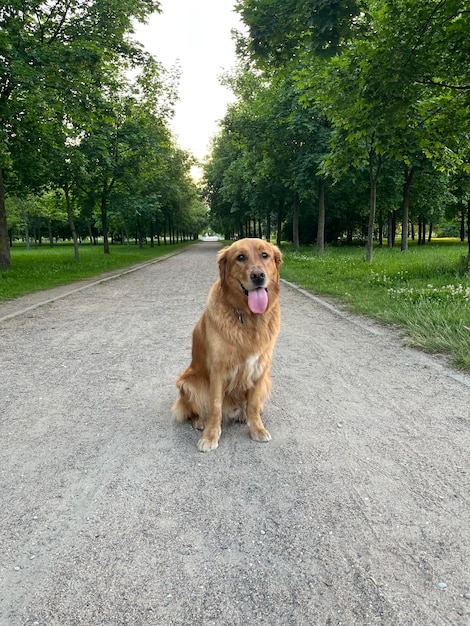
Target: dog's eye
<point x="265" y="255"/>
<point x="241" y="257"/>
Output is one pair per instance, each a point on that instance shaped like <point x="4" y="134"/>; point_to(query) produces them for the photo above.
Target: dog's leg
<point x="181" y="411"/>
<point x="213" y="428"/>
<point x="192" y="404"/>
<point x="255" y="400"/>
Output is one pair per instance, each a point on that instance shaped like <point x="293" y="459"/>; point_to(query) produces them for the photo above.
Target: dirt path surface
<point x="356" y="513"/>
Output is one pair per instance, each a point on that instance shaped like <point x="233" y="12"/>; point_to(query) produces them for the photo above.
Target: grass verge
<point x="424" y="291"/>
<point x="44" y="267"/>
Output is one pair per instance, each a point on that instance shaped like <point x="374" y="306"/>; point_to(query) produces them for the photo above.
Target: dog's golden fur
<point x="232" y="346"/>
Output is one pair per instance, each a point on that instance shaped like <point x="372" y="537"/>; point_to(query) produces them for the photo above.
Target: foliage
<point x="84" y="110"/>
<point x="279" y="28"/>
<point x="370" y="97"/>
<point x="270" y="147"/>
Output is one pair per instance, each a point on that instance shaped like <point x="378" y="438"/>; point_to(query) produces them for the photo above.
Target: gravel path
<point x="356" y="513"/>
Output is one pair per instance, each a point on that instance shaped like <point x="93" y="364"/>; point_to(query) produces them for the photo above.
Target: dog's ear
<point x="277" y="256"/>
<point x="222" y="262"/>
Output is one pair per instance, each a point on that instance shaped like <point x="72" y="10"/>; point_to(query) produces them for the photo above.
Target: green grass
<point x="44" y="267"/>
<point x="424" y="291"/>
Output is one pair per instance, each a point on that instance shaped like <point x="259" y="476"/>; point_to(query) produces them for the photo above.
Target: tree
<point x="278" y="29"/>
<point x="49" y="50"/>
<point x="392" y="77"/>
<point x="275" y="145"/>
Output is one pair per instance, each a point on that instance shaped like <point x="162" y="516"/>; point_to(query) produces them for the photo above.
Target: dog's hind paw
<point x="235" y="414"/>
<point x="197" y="423"/>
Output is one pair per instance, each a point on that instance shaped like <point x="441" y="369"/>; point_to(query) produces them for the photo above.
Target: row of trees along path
<point x="84" y="126"/>
<point x="349" y="118"/>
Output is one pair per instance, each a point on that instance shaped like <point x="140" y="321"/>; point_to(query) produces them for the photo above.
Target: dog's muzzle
<point x="257" y="278"/>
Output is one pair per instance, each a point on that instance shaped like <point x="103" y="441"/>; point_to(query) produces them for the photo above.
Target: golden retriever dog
<point x="232" y="345"/>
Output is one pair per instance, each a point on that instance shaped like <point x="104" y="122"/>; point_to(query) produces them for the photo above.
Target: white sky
<point x="197" y="33"/>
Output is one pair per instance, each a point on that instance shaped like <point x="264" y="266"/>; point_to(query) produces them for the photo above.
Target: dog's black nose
<point x="257" y="277"/>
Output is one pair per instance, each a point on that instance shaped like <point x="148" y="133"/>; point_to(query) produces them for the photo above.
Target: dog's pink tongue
<point x="258" y="300"/>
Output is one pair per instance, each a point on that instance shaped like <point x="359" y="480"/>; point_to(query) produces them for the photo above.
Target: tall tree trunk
<point x="321" y="217"/>
<point x="268" y="226"/>
<point x="49" y="230"/>
<point x="279" y="223"/>
<point x="68" y="204"/>
<point x="374" y="173"/>
<point x="389" y="228"/>
<point x="126" y="236"/>
<point x="295" y="223"/>
<point x="26" y="231"/>
<point x="5" y="259"/>
<point x="104" y="220"/>
<point x="409" y="172"/>
<point x="381" y="229"/>
<point x="421" y="231"/>
<point x="370" y="227"/>
<point x="107" y="187"/>
<point x="392" y="226"/>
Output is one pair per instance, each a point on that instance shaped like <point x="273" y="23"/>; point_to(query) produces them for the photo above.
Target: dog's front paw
<point x="209" y="440"/>
<point x="260" y="434"/>
<point x="206" y="445"/>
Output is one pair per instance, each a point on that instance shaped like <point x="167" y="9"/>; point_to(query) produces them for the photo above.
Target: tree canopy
<point x="341" y="94"/>
<point x="84" y="110"/>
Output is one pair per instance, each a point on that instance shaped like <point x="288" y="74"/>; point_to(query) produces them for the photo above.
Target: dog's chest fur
<point x="244" y="341"/>
<point x="246" y="373"/>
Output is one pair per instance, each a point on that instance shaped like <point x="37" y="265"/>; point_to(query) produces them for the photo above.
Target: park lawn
<point x="425" y="291"/>
<point x="44" y="267"/>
